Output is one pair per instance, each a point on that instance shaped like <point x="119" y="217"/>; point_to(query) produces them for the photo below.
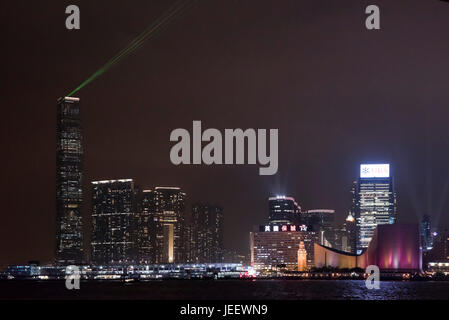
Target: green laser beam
<point x="137" y="42"/>
<point x="143" y="36"/>
<point x="147" y="36"/>
<point x="154" y="29"/>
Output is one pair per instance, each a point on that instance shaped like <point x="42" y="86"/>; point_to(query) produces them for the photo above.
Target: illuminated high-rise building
<point x="113" y="222"/>
<point x="69" y="173"/>
<point x="207" y="234"/>
<point x="283" y="210"/>
<point x="169" y="223"/>
<point x="161" y="230"/>
<point x="374" y="201"/>
<point x="426" y="233"/>
<point x="146" y="227"/>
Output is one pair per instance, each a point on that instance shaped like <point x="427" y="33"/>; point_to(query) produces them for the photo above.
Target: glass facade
<point x="374" y="204"/>
<point x="69" y="194"/>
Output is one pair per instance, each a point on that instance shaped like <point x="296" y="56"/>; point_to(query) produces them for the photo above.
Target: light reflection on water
<point x="229" y="290"/>
<point x="353" y="289"/>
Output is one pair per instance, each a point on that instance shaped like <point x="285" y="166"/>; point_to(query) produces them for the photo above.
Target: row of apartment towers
<point x="129" y="224"/>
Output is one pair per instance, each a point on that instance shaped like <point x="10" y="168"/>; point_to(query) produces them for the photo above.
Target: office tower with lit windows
<point x="425" y="233"/>
<point x="207" y="233"/>
<point x="283" y="210"/>
<point x="69" y="173"/>
<point x="113" y="222"/>
<point x="374" y="201"/>
<point x="169" y="225"/>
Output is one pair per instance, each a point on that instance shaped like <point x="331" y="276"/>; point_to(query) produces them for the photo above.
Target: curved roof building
<point x="394" y="248"/>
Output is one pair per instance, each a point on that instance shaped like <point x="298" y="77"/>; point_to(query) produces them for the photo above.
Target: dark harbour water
<point x="227" y="290"/>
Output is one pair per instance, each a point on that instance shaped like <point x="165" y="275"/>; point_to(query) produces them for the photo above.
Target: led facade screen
<point x="374" y="171"/>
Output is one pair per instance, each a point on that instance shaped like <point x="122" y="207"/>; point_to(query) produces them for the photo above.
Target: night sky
<point x="339" y="94"/>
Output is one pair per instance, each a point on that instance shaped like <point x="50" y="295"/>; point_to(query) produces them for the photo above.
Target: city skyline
<point x="259" y="68"/>
<point x="195" y="236"/>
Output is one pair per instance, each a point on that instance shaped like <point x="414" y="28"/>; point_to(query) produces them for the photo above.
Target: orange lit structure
<point x="302" y="257"/>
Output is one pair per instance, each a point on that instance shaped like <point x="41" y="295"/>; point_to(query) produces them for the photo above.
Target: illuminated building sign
<point x="374" y="171"/>
<point x="283" y="228"/>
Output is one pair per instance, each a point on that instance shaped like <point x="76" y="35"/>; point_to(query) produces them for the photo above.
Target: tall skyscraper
<point x="113" y="222"/>
<point x="161" y="230"/>
<point x="169" y="223"/>
<point x="207" y="234"/>
<point x="375" y="201"/>
<point x="425" y="233"/>
<point x="283" y="210"/>
<point x="69" y="172"/>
